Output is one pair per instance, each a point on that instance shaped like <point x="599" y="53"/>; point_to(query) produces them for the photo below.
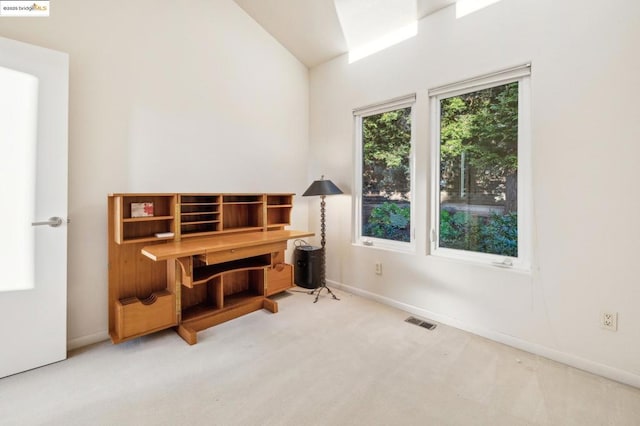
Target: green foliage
<point x="497" y="234"/>
<point x="459" y="230"/>
<point x="484" y="126"/>
<point x="386" y="142"/>
<point x="389" y="221"/>
<point x="500" y="235"/>
<point x="484" y="123"/>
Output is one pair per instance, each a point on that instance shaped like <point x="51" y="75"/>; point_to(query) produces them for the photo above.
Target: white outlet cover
<point x="609" y="321"/>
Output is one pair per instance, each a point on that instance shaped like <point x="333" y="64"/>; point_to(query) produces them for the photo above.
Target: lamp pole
<point x="323" y="242"/>
<point x="322" y="217"/>
<point x="323" y="268"/>
<point x="322" y="188"/>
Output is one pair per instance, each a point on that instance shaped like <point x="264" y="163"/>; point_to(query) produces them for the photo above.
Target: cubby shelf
<point x="277" y="225"/>
<point x="240" y="229"/>
<point x="199" y="204"/>
<point x="202" y="311"/>
<point x="146" y="219"/>
<point x="187" y="215"/>
<point x="146" y="240"/>
<point x="131" y="230"/>
<point x="192" y="235"/>
<point x="241" y="202"/>
<point x="205" y="273"/>
<point x="200" y="222"/>
<point x="198" y="213"/>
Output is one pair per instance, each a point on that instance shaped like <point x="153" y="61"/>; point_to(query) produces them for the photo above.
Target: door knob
<point x="54" y="222"/>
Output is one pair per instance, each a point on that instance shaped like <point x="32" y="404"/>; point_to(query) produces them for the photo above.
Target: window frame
<point x="359" y="114"/>
<point x="522" y="75"/>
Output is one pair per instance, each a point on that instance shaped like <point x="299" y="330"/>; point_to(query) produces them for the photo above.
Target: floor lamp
<point x="322" y="187"/>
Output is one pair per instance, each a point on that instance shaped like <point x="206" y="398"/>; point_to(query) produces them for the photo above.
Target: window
<point x="384" y="171"/>
<point x="481" y="169"/>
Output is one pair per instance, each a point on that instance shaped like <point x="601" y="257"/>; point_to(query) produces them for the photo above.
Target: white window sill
<point x="484" y="260"/>
<point x="397" y="247"/>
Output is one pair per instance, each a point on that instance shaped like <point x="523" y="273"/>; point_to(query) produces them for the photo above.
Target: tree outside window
<point x="386" y="175"/>
<point x="478" y="171"/>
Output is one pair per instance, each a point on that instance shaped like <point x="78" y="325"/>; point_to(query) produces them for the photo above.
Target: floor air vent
<point x="420" y="323"/>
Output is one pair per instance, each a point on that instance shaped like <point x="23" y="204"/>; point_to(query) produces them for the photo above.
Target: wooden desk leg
<point x="270" y="305"/>
<point x="188" y="334"/>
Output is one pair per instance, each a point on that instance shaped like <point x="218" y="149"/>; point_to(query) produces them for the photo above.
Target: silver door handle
<point x="54" y="221"/>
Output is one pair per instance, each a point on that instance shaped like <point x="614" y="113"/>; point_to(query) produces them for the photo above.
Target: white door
<point x="34" y="87"/>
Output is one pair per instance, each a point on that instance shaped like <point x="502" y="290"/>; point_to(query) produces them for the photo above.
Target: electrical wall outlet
<point x="378" y="268"/>
<point x="609" y="321"/>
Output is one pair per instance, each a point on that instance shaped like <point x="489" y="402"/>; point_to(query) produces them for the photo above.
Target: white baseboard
<point x="90" y="339"/>
<point x="612" y="373"/>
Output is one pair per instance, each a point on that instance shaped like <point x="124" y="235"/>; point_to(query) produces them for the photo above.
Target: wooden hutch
<point x="193" y="261"/>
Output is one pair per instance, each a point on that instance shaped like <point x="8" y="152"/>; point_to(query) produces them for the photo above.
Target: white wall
<point x="585" y="95"/>
<point x="186" y="96"/>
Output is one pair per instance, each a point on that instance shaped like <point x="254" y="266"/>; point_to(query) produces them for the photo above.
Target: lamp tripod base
<point x="319" y="290"/>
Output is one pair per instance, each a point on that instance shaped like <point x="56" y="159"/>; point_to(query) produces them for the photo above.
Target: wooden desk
<point x="223" y="277"/>
<point x="220" y="243"/>
<point x="194" y="260"/>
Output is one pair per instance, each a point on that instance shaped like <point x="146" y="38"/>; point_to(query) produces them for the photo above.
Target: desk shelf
<point x="279" y="211"/>
<point x="224" y="288"/>
<point x="145" y="239"/>
<point x="239" y="229"/>
<point x="223" y="296"/>
<point x="199" y="214"/>
<point x="130" y="229"/>
<point x="198" y="312"/>
<point x="205" y="273"/>
<point x="194" y="271"/>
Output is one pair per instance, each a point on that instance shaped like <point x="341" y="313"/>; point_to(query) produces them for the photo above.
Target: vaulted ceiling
<point x="310" y="29"/>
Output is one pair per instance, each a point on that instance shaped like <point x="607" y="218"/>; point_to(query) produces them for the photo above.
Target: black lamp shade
<point x="322" y="187"/>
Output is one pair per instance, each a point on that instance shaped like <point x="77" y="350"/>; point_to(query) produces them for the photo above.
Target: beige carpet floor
<point x="348" y="362"/>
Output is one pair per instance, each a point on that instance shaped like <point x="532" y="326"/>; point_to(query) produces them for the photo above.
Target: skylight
<point x="373" y="25"/>
<point x="370" y="26"/>
<point x="383" y="42"/>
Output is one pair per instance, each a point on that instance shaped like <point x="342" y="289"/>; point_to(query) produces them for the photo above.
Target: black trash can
<point x="307" y="266"/>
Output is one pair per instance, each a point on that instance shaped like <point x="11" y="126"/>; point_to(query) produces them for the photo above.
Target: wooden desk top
<point x="191" y="247"/>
